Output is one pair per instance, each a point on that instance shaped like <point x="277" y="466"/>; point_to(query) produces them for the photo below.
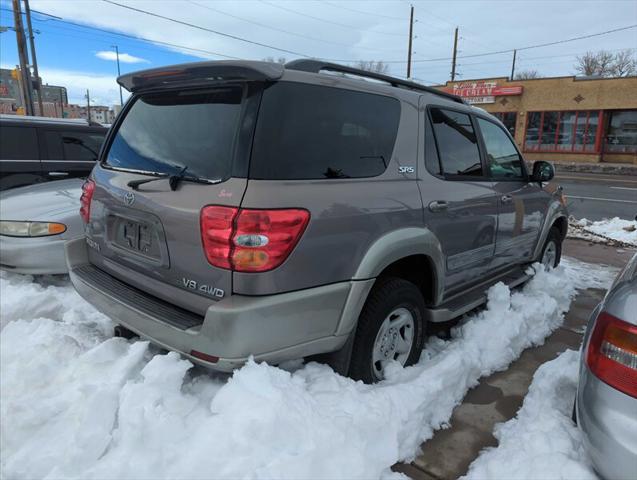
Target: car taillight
<point x="250" y="240"/>
<point x="85" y="200"/>
<point x="612" y="353"/>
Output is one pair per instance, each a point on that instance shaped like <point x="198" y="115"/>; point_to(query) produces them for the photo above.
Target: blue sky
<point x="81" y="45"/>
<point x="342" y="30"/>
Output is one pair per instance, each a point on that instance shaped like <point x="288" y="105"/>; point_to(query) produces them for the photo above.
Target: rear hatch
<point x="145" y="226"/>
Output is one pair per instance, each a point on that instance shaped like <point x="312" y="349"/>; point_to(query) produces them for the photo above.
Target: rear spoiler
<point x="202" y="73"/>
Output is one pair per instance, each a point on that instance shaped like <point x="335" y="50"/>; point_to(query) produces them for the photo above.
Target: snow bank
<point x="542" y="441"/>
<point x="603" y="231"/>
<point x="78" y="404"/>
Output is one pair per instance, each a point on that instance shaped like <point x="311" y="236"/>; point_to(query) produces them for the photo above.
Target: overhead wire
<point x="275" y="29"/>
<point x="205" y="29"/>
<point x="121" y="34"/>
<point x="342" y="25"/>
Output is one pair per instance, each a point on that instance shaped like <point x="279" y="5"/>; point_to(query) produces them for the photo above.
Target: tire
<point x="396" y="306"/>
<point x="548" y="259"/>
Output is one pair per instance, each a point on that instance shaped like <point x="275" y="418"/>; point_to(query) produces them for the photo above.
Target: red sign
<point x="482" y="89"/>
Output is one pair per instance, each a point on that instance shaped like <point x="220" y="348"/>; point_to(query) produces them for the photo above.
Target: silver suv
<point x="249" y="208"/>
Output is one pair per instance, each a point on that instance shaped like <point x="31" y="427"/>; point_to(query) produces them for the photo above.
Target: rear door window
<point x="315" y="132"/>
<point x="77" y="146"/>
<point x="164" y="132"/>
<point x="503" y="158"/>
<point x="457" y="142"/>
<point x="18" y="143"/>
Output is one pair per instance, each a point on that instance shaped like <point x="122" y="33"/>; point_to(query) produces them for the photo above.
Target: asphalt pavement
<point x="498" y="397"/>
<point x="596" y="196"/>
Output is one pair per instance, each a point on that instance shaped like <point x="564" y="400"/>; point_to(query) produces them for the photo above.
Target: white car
<point x="35" y="222"/>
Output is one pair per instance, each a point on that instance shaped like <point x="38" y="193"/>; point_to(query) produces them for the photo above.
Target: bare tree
<point x="598" y="64"/>
<point x="527" y="74"/>
<point x="372" y="66"/>
<point x="624" y="64"/>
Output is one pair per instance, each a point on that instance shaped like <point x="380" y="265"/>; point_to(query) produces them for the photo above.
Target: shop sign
<point x="482" y="89"/>
<point x="478" y="100"/>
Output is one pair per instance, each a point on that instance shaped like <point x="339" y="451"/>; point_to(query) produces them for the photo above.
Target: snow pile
<point x="615" y="231"/>
<point x="78" y="404"/>
<point x="542" y="441"/>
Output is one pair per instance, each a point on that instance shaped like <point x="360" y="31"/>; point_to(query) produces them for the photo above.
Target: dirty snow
<point x="77" y="403"/>
<point x="542" y="441"/>
<point x="614" y="231"/>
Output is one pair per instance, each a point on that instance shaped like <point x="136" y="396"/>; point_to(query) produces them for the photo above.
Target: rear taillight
<point x="85" y="200"/>
<point x="250" y="240"/>
<point x="612" y="353"/>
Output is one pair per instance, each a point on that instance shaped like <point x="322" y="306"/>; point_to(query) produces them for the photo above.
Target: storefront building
<point x="562" y="119"/>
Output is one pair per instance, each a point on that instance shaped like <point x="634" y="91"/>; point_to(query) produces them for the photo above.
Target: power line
<point x="342" y="25"/>
<point x="274" y="28"/>
<point x="582" y="37"/>
<point x="134" y="37"/>
<point x="375" y="14"/>
<point x="205" y="29"/>
<point x="525" y="59"/>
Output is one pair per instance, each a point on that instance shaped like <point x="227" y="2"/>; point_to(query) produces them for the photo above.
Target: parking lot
<point x="498" y="397"/>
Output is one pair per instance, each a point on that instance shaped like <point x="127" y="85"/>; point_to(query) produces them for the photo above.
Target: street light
<point x="121" y="97"/>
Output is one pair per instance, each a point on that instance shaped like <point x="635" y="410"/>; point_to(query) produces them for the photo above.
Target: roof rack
<point x="316" y="66"/>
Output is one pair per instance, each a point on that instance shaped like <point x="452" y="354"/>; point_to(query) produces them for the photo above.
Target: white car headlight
<point x="30" y="229"/>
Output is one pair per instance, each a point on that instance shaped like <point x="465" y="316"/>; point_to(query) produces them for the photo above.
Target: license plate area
<point x="140" y="240"/>
<point x="136" y="236"/>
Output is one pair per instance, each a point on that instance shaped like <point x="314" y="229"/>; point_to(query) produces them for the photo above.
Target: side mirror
<point x="542" y="171"/>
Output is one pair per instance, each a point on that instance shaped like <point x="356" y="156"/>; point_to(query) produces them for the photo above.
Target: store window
<point x="508" y="119"/>
<point x="621" y="136"/>
<point x="562" y="131"/>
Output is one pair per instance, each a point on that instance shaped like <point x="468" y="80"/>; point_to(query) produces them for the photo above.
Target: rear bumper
<point x="32" y="256"/>
<point x="271" y="328"/>
<point x="608" y="421"/>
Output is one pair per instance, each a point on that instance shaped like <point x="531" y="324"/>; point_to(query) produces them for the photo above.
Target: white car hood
<point x="41" y="202"/>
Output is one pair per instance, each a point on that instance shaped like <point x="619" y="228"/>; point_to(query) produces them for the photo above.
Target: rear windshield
<point x="165" y="132"/>
<point x="311" y="132"/>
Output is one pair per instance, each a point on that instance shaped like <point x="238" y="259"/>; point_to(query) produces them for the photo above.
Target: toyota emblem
<point x="129" y="198"/>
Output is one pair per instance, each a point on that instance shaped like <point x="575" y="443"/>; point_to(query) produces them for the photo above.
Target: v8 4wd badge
<point x="207" y="289"/>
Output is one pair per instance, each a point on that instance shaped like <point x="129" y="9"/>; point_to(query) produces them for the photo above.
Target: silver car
<point x="606" y="405"/>
<point x="35" y="221"/>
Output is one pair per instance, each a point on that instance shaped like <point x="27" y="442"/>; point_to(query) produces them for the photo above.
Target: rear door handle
<point x="58" y="174"/>
<point x="506" y="199"/>
<point x="438" y="206"/>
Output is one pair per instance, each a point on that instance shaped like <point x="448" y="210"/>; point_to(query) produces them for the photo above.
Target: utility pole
<point x="411" y="30"/>
<point x="121" y="97"/>
<point x="513" y="65"/>
<point x="455" y="52"/>
<point x="38" y="80"/>
<point x="88" y="107"/>
<point x="23" y="54"/>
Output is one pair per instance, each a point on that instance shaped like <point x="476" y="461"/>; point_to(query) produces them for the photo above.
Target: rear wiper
<point x="173" y="180"/>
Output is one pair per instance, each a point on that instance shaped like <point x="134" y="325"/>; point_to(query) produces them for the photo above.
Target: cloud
<point x="103" y="89"/>
<point x="123" y="57"/>
<point x="360" y="30"/>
